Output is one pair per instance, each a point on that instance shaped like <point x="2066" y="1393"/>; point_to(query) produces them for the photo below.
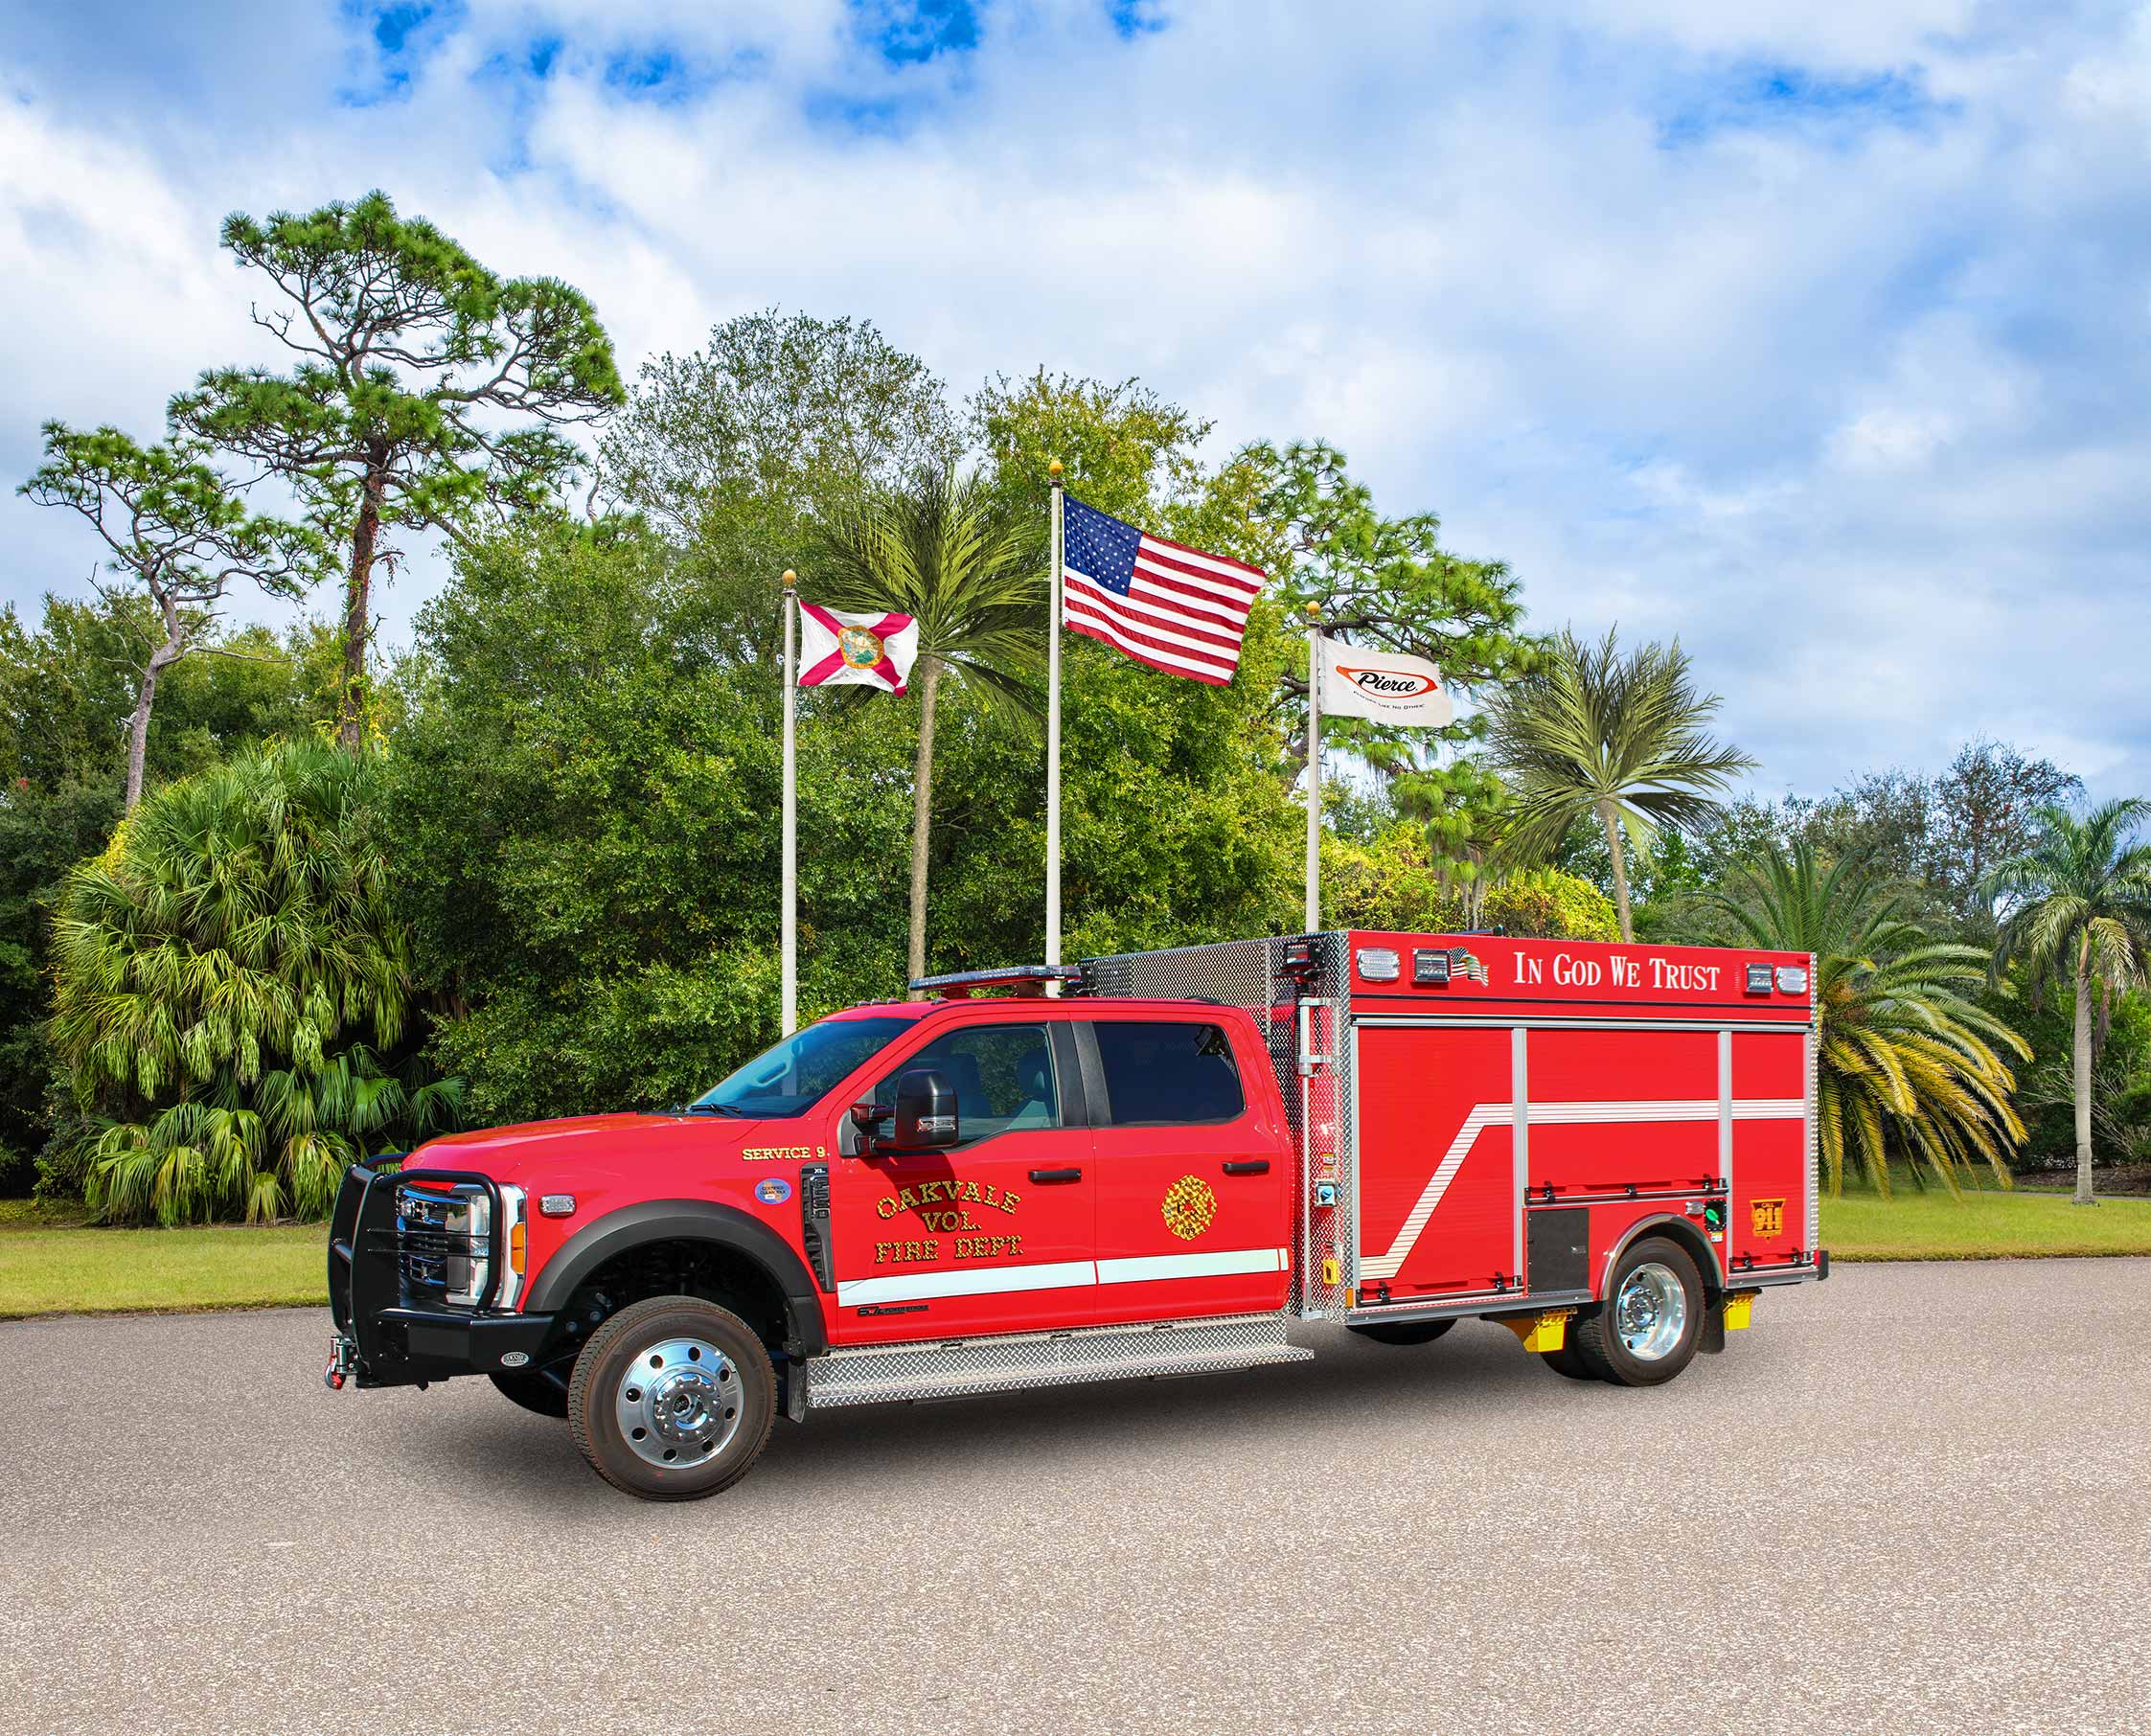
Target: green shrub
<point x="233" y="997"/>
<point x="1392" y="882"/>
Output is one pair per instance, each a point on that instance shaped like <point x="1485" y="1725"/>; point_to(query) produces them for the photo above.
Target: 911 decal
<point x="1768" y="1216"/>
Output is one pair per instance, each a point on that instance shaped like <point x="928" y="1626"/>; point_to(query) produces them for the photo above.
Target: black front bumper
<point x="386" y="1337"/>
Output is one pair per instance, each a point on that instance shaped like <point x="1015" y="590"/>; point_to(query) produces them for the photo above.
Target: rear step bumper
<point x="882" y="1374"/>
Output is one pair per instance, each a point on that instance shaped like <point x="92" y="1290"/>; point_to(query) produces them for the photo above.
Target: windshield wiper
<point x="717" y="1108"/>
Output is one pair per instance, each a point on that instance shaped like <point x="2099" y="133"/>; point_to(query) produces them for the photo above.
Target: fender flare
<point x="1674" y="1228"/>
<point x="649" y="1221"/>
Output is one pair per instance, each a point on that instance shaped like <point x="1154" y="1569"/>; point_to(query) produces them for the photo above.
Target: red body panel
<point x="1438" y="1208"/>
<point x="1229" y="1252"/>
<point x="1771" y="1156"/>
<point x="964" y="1240"/>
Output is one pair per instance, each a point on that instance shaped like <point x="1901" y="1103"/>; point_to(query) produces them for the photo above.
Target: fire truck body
<point x="1608" y="1148"/>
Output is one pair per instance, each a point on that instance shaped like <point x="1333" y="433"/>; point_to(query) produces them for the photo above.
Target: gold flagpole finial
<point x="791" y="578"/>
<point x="1314" y="611"/>
<point x="1053" y="469"/>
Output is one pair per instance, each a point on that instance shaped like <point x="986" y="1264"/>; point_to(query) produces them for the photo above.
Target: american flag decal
<point x="1174" y="607"/>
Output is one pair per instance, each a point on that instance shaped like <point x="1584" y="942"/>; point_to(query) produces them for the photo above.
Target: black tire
<point x="1403" y="1332"/>
<point x="1600" y="1346"/>
<point x="535" y="1390"/>
<point x="1567" y="1361"/>
<point x="743" y="1382"/>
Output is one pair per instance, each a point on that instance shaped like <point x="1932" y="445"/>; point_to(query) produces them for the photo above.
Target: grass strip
<point x="1981" y="1225"/>
<point x="71" y="1271"/>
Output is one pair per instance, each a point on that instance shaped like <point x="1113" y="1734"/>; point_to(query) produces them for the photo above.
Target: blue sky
<point x="1819" y="336"/>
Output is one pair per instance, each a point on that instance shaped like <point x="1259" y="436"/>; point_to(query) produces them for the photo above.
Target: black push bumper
<point x="383" y="1335"/>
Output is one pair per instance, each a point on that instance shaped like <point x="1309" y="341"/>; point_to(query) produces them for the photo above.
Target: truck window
<point x="1168" y="1074"/>
<point x="1003" y="1076"/>
<point x="791" y="1077"/>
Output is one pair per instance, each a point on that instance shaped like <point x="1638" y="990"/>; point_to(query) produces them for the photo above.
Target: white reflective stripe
<point x="1142" y="1268"/>
<point x="1056" y="1274"/>
<point x="1552" y="1114"/>
<point x="974" y="1281"/>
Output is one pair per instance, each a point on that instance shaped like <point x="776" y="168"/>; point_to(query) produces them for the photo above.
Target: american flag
<point x="1163" y="604"/>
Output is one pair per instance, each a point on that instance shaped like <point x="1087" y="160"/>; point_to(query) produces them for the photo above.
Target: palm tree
<point x="2079" y="908"/>
<point x="1902" y="1054"/>
<point x="1621" y="738"/>
<point x="943" y="551"/>
<point x="216" y="975"/>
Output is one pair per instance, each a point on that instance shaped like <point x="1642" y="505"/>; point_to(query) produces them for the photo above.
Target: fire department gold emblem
<point x="1188" y="1208"/>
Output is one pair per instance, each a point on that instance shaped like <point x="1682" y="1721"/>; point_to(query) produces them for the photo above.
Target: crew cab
<point x="1150" y="1164"/>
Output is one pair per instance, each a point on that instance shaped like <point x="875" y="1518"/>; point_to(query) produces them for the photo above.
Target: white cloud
<point x="1816" y="335"/>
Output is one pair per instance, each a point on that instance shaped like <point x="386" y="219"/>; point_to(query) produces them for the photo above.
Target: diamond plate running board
<point x="882" y="1374"/>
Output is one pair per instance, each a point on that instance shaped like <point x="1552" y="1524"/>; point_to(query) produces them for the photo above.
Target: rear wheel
<point x="672" y="1398"/>
<point x="1652" y="1322"/>
<point x="1403" y="1332"/>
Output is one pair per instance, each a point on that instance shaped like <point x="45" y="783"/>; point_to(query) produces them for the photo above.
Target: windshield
<point x="799" y="1072"/>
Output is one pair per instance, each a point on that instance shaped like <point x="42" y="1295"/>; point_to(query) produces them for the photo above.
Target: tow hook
<point x="343" y="1361"/>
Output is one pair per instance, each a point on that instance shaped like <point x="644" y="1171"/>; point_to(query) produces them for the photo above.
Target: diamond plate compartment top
<point x="1251" y="974"/>
<point x="887" y="1374"/>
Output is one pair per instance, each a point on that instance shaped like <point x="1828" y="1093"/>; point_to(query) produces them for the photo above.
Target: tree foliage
<point x="1395" y="881"/>
<point x="1624" y="739"/>
<point x="173" y="526"/>
<point x="233" y="991"/>
<point x="2077" y="908"/>
<point x="1906" y="1060"/>
<point x="426" y="391"/>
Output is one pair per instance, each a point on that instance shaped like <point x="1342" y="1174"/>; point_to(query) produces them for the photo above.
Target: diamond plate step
<point x="882" y="1374"/>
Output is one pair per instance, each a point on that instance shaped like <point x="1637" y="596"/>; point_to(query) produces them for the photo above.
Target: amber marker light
<point x="515" y="1250"/>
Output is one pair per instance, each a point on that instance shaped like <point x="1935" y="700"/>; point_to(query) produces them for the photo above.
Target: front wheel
<point x="672" y="1398"/>
<point x="1652" y="1322"/>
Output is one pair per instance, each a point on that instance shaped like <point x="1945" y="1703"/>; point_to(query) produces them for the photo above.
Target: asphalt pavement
<point x="1914" y="1499"/>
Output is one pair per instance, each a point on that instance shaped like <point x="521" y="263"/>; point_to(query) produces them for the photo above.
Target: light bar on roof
<point x="1033" y="977"/>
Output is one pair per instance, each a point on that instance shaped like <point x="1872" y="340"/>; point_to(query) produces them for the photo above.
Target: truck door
<point x="995" y="1234"/>
<point x="1193" y="1187"/>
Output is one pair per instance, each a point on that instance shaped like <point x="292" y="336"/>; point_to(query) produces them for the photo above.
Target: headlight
<point x="445" y="1241"/>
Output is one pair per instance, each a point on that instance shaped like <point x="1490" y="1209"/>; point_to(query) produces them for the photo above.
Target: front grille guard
<point x="367" y="1276"/>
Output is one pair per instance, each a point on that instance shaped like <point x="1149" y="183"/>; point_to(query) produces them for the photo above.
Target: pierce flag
<point x="840" y="648"/>
<point x="1384" y="686"/>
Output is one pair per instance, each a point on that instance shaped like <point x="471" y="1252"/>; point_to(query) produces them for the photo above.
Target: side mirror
<point x="925" y="1117"/>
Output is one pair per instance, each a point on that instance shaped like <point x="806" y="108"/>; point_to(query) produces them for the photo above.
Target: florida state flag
<point x="839" y="646"/>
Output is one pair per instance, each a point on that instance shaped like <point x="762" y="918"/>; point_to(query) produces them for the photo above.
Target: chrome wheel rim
<point x="1651" y="1312"/>
<point x="679" y="1403"/>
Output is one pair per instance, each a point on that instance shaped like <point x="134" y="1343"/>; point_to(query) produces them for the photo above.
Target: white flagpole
<point x="1313" y="769"/>
<point x="1053" y="735"/>
<point x="788" y="945"/>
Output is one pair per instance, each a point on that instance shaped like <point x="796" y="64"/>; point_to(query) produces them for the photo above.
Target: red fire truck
<point x="1150" y="1164"/>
